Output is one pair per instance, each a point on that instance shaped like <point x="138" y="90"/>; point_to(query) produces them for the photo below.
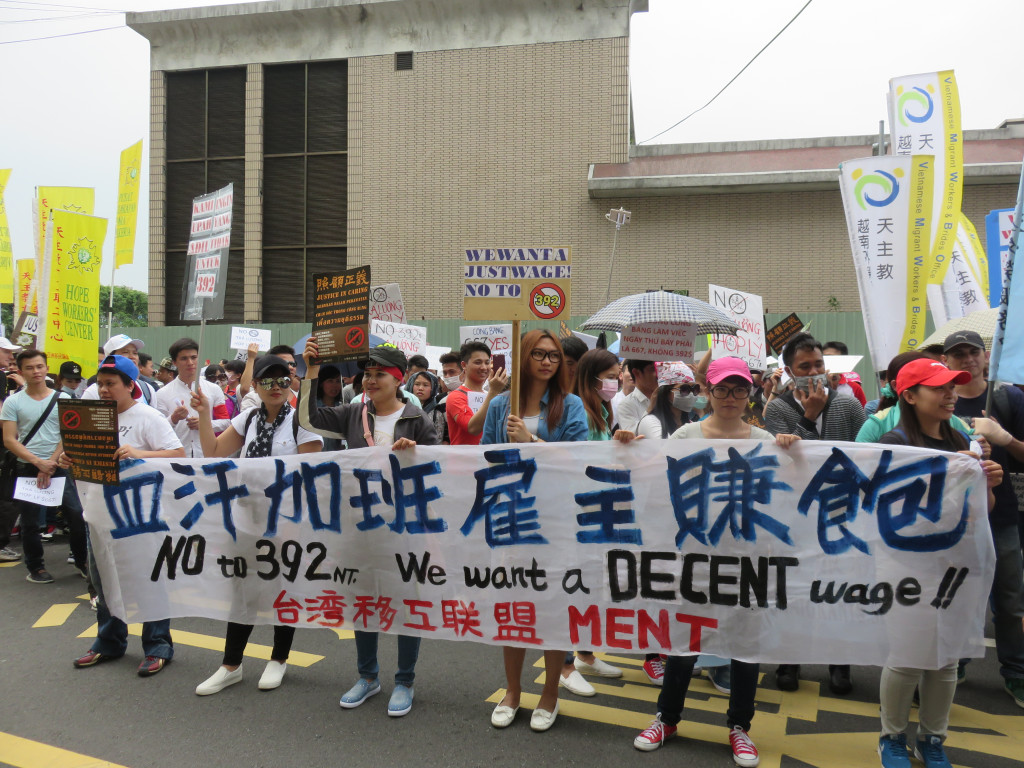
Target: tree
<point x="131" y="309"/>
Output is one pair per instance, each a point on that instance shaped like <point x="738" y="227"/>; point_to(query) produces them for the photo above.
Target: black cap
<point x="387" y="356"/>
<point x="70" y="370"/>
<point x="266" y="362"/>
<point x="971" y="338"/>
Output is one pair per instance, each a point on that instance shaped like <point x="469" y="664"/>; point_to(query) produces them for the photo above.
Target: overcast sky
<point x="71" y="104"/>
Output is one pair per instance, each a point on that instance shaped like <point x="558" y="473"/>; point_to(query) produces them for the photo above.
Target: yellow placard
<point x="6" y="252"/>
<point x="71" y="330"/>
<point x="516" y="283"/>
<point x="127" y="204"/>
<point x="26" y="273"/>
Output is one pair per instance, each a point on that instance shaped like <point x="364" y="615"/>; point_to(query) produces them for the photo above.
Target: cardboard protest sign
<point x="658" y="341"/>
<point x="747" y="311"/>
<point x="386" y="303"/>
<point x="27" y="489"/>
<point x="497" y="337"/>
<point x="341" y="310"/>
<point x="241" y="338"/>
<point x="411" y="339"/>
<point x="783" y="331"/>
<point x="209" y="243"/>
<point x="516" y="283"/>
<point x="88" y="431"/>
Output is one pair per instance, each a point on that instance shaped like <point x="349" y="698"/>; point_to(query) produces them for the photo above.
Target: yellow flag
<point x="26" y="273"/>
<point x="127" y="204"/>
<point x="6" y="252"/>
<point x="71" y="331"/>
<point x="78" y="199"/>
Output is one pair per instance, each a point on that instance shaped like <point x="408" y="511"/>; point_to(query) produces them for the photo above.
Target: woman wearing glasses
<point x="548" y="412"/>
<point x="270" y="430"/>
<point x="215" y="374"/>
<point x="673" y="403"/>
<point x="729" y="384"/>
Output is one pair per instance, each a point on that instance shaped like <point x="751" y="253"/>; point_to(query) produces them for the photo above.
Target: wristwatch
<point x="534" y="439"/>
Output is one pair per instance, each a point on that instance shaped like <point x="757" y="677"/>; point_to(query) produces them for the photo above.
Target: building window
<point x="305" y="183"/>
<point x="205" y="151"/>
<point x="403" y="60"/>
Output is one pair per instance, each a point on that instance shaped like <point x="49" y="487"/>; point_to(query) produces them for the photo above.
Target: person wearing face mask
<point x="673" y="402"/>
<point x="813" y="412"/>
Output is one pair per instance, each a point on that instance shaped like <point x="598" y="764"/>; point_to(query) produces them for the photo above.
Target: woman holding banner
<point x="269" y="430"/>
<point x="385" y="417"/>
<point x="548" y="412"/>
<point x="673" y="403"/>
<point x="926" y="392"/>
<point x="729" y="384"/>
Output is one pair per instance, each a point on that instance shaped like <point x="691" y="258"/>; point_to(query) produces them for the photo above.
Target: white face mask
<point x="809" y="383"/>
<point x="683" y="402"/>
<point x="452" y="382"/>
<point x="607" y="389"/>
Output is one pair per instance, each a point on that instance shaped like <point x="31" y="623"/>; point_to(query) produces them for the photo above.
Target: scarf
<point x="264" y="440"/>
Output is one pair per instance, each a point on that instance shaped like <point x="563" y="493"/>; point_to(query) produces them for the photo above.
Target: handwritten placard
<point x="658" y="341"/>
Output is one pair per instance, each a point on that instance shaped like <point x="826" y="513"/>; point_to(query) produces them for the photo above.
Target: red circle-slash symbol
<point x="71" y="419"/>
<point x="354" y="338"/>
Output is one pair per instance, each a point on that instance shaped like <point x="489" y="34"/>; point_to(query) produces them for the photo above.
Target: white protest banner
<point x="888" y="212"/>
<point x="497" y="337"/>
<point x="27" y="489"/>
<point x="208" y="249"/>
<point x="924" y="119"/>
<point x="241" y="338"/>
<point x="411" y="339"/>
<point x="964" y="289"/>
<point x="747" y="311"/>
<point x="433" y="355"/>
<point x="658" y="341"/>
<point x="848" y="552"/>
<point x="386" y="303"/>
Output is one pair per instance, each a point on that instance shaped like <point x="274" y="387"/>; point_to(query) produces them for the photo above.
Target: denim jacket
<point x="572" y="427"/>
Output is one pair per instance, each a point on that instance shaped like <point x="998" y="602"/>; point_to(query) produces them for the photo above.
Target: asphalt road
<point x="55" y="716"/>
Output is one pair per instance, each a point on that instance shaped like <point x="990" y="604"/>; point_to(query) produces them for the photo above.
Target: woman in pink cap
<point x="927" y="394"/>
<point x="728" y="383"/>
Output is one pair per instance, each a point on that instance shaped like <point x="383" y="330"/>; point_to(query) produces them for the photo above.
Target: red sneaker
<point x="151" y="665"/>
<point x="655" y="670"/>
<point x="744" y="753"/>
<point x="657" y="733"/>
<point x="91" y="659"/>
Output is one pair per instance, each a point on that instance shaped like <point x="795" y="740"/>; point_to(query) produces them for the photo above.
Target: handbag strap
<point x="36" y="427"/>
<point x="367" y="434"/>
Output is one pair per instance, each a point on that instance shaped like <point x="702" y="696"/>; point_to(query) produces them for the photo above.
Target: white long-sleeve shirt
<point x="169" y="397"/>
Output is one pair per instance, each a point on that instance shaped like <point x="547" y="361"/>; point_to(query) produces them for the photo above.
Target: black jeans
<point x="8" y="517"/>
<point x="30" y="541"/>
<point x="679" y="670"/>
<point x="238" y="636"/>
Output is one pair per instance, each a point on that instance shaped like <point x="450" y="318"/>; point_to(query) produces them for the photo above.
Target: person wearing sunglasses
<point x="674" y="403"/>
<point x="385" y="418"/>
<point x="215" y="374"/>
<point x="548" y="412"/>
<point x="270" y="429"/>
<point x="729" y="384"/>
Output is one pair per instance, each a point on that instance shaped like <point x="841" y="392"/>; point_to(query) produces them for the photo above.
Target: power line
<point x="734" y="76"/>
<point x="67" y="34"/>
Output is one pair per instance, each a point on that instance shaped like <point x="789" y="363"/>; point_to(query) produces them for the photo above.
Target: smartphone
<point x="498" y="361"/>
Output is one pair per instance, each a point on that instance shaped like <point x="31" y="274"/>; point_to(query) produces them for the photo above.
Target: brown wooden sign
<point x="88" y="431"/>
<point x="341" y="302"/>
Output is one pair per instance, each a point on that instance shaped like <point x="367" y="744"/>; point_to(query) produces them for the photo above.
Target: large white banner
<point x="965" y="287"/>
<point x="839" y="552"/>
<point x="888" y="214"/>
<point x="747" y="311"/>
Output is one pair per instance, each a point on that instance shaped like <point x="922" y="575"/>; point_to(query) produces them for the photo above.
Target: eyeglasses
<point x="221" y="377"/>
<point x="740" y="392"/>
<point x="540" y="354"/>
<point x="283" y="382"/>
<point x="689" y="389"/>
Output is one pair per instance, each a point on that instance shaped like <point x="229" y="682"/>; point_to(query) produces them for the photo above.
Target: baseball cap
<point x="70" y="370"/>
<point x="724" y="367"/>
<point x="266" y="362"/>
<point x="971" y="338"/>
<point x="5" y="344"/>
<point x="168" y="364"/>
<point x="674" y="373"/>
<point x="120" y="341"/>
<point x="122" y="364"/>
<point x="386" y="357"/>
<point x="931" y="373"/>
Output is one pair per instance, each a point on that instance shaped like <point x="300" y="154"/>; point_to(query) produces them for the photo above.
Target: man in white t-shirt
<point x="174" y="400"/>
<point x="143" y="434"/>
<point x="634" y="405"/>
<point x="124" y="345"/>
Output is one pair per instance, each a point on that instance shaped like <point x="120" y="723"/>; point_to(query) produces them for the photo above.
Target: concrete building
<point x="397" y="133"/>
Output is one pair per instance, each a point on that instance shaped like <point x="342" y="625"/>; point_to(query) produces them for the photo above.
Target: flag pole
<point x="110" y="306"/>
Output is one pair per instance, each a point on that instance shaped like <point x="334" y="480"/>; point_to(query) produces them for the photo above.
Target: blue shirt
<point x="572" y="427"/>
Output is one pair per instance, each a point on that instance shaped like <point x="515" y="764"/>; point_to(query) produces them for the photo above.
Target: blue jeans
<point x="1007" y="600"/>
<point x="112" y="634"/>
<point x="679" y="671"/>
<point x="366" y="657"/>
<point x="30" y="521"/>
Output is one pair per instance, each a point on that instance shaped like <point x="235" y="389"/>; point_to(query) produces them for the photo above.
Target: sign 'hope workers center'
<point x="516" y="283"/>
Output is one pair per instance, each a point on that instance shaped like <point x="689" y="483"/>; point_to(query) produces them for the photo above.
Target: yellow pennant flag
<point x="71" y="330"/>
<point x="6" y="252"/>
<point x="26" y="273"/>
<point x="77" y="199"/>
<point x="127" y="204"/>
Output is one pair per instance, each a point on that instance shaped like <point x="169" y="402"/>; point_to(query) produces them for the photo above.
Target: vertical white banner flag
<point x="964" y="289"/>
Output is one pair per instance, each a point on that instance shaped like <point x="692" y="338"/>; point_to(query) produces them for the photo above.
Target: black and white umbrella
<point x="660" y="307"/>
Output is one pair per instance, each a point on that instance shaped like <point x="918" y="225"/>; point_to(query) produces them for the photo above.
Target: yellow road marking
<point x="24" y="753"/>
<point x="10" y="565"/>
<point x="210" y="643"/>
<point x="56" y="615"/>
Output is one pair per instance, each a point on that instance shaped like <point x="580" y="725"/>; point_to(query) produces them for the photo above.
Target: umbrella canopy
<point x="983" y="322"/>
<point x="660" y="307"/>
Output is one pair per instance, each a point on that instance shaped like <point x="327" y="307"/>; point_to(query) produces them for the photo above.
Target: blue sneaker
<point x="401" y="700"/>
<point x="721" y="677"/>
<point x="359" y="693"/>
<point x="893" y="751"/>
<point x="930" y="752"/>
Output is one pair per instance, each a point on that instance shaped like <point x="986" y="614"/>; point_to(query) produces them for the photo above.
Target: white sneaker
<point x="272" y="675"/>
<point x="576" y="684"/>
<point x="218" y="681"/>
<point x="599" y="668"/>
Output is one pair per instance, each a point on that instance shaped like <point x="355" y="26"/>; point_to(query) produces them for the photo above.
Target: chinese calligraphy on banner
<point x="822" y="553"/>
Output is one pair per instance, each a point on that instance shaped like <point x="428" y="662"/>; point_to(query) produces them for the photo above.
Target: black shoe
<point x="839" y="679"/>
<point x="787" y="677"/>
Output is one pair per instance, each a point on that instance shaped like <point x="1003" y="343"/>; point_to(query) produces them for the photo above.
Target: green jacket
<point x="886" y="421"/>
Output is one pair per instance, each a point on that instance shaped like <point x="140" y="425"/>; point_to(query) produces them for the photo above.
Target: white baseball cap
<point x="121" y="341"/>
<point x="5" y="344"/>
